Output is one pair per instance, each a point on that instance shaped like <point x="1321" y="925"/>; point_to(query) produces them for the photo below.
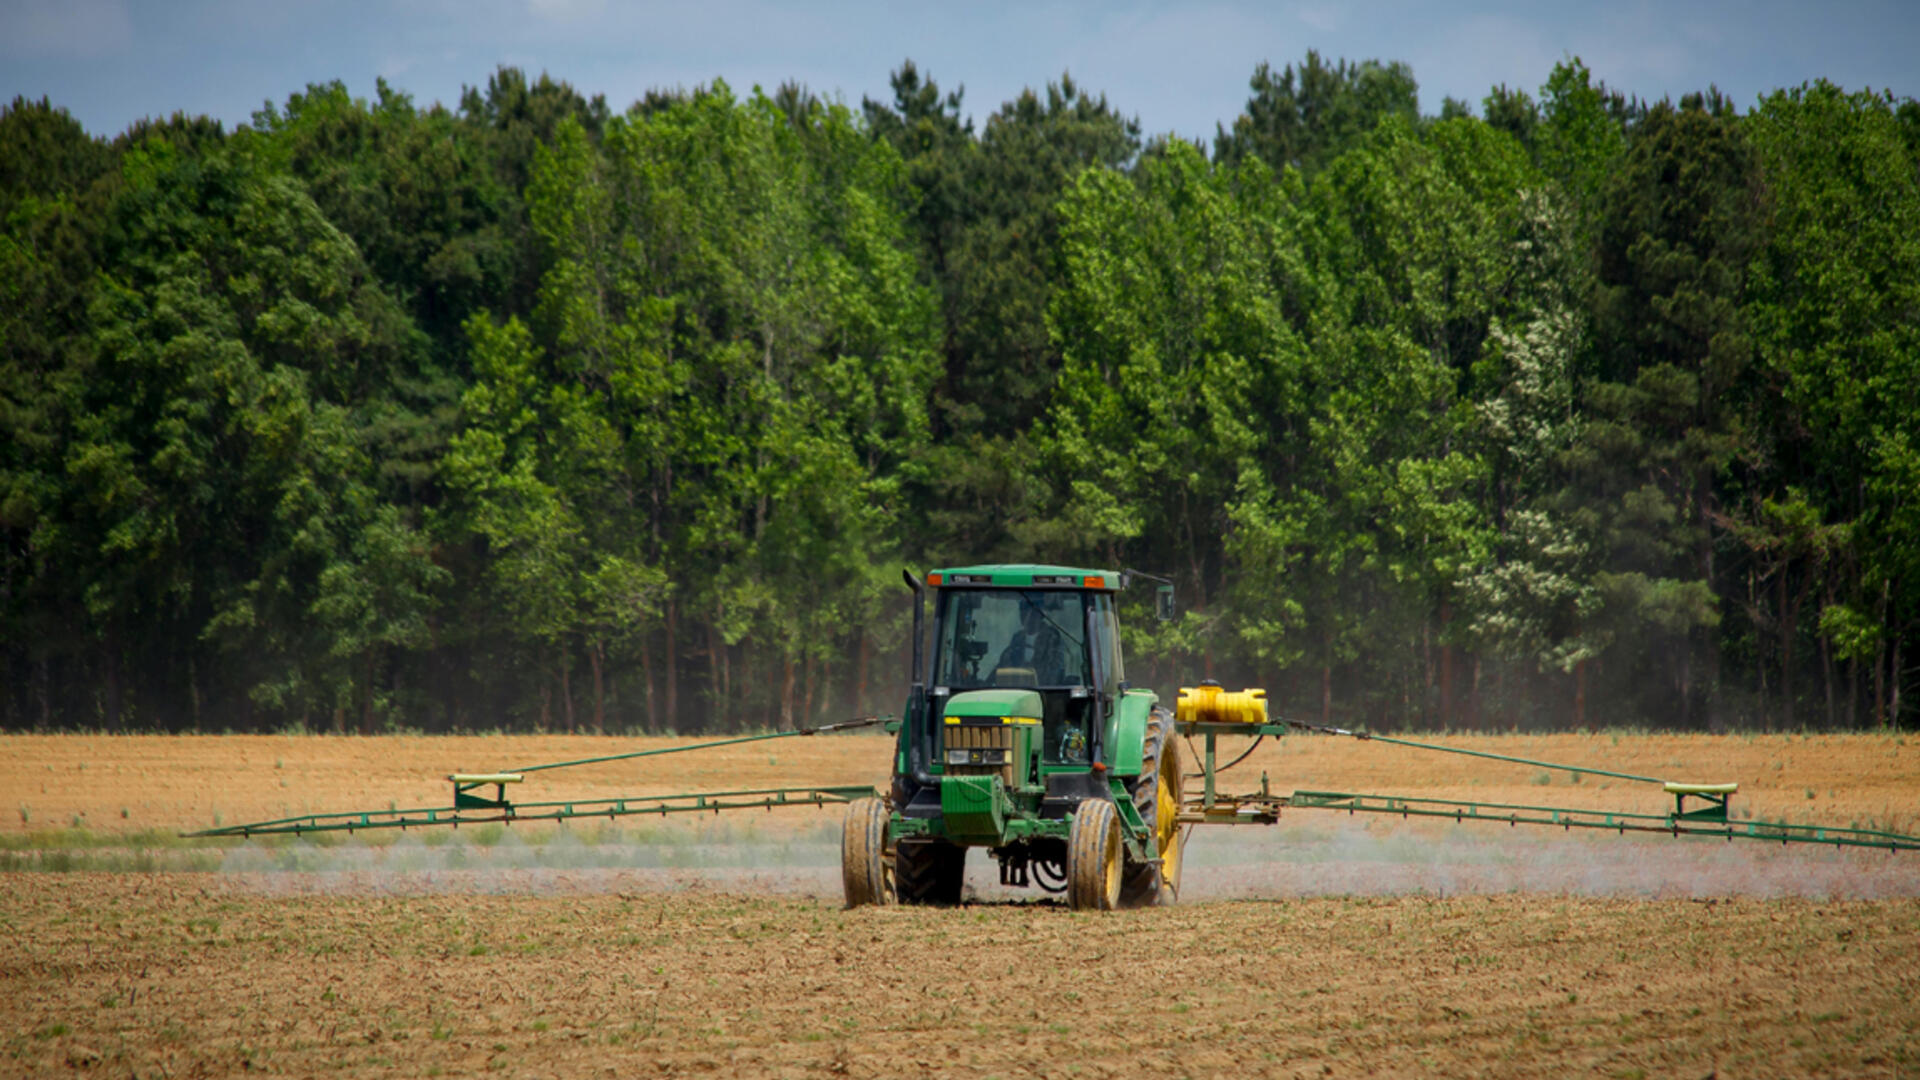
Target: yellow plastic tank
<point x="1211" y="704"/>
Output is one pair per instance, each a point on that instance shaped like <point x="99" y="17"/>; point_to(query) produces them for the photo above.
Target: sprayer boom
<point x="1698" y="809"/>
<point x="471" y="807"/>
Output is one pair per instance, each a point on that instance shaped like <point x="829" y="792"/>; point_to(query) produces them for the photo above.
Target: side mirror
<point x="1164" y="603"/>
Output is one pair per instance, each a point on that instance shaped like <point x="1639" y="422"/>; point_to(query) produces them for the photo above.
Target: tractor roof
<point x="1025" y="576"/>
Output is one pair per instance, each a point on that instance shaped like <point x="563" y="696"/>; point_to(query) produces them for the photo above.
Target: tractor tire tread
<point x="863" y="856"/>
<point x="1141" y="884"/>
<point x="1091" y="844"/>
<point x="929" y="872"/>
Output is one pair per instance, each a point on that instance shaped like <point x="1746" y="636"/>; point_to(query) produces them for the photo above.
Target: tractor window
<point x="1106" y="640"/>
<point x="1003" y="637"/>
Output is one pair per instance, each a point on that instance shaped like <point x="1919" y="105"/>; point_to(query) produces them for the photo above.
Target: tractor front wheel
<point x="1093" y="857"/>
<point x="865" y="869"/>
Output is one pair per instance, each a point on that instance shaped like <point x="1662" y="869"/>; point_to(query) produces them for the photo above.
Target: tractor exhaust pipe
<point x="918" y="675"/>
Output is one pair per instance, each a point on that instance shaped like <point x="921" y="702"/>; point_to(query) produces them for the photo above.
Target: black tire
<point x="1142" y="884"/>
<point x="866" y="871"/>
<point x="928" y="872"/>
<point x="1094" y="854"/>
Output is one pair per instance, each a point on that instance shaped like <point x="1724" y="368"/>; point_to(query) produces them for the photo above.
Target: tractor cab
<point x="1059" y="644"/>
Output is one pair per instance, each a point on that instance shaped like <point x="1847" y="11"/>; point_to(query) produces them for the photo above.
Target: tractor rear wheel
<point x="865" y="870"/>
<point x="1156" y="794"/>
<point x="929" y="871"/>
<point x="1093" y="857"/>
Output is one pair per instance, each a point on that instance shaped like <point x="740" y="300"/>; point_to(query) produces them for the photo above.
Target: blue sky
<point x="1179" y="67"/>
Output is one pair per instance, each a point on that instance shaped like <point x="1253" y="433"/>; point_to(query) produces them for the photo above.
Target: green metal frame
<point x="456" y="816"/>
<point x="1709" y="818"/>
<point x="471" y="809"/>
<point x="1676" y="824"/>
<point x="1019" y="827"/>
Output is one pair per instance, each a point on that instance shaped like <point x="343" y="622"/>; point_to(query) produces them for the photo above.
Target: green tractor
<point x="1026" y="741"/>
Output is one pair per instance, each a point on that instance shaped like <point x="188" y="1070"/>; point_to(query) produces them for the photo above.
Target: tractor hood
<point x="999" y="704"/>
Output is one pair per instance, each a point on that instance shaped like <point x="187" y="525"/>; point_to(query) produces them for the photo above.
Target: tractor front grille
<point x="982" y="737"/>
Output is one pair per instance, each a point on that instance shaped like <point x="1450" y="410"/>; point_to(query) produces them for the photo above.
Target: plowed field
<point x="189" y="975"/>
<point x="1326" y="947"/>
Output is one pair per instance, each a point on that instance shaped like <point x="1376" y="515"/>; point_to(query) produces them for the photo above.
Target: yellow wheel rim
<point x="1113" y="865"/>
<point x="1167" y="823"/>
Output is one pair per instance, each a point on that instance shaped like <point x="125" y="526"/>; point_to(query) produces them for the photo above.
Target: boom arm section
<point x="1698" y="809"/>
<point x="1264" y="809"/>
<point x="456" y="816"/>
<point x="472" y="808"/>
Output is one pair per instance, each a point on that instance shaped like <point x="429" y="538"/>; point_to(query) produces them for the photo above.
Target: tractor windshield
<point x="1005" y="637"/>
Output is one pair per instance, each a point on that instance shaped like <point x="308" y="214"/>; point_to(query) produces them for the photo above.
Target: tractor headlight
<point x="977" y="757"/>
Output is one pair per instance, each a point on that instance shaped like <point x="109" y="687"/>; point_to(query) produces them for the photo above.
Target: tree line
<point x="1572" y="410"/>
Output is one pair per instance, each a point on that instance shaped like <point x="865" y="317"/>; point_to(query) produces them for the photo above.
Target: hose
<point x="1223" y="768"/>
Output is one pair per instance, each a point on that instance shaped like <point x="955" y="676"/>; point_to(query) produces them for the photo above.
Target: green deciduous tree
<point x="1835" y="294"/>
<point x="1167" y="317"/>
<point x="221" y="461"/>
<point x="736" y="362"/>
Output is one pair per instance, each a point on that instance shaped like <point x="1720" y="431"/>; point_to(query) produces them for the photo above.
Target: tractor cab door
<point x="1106" y="669"/>
<point x="1103" y="630"/>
